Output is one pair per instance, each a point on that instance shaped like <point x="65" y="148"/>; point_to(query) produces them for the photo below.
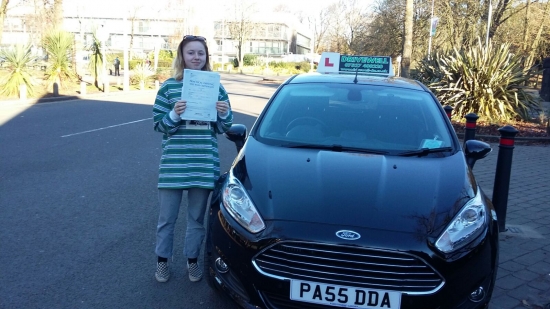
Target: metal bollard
<point x="545" y="85"/>
<point x="55" y="89"/>
<point x="502" y="174"/>
<point x="82" y="88"/>
<point x="448" y="110"/>
<point x="23" y="92"/>
<point x="470" y="131"/>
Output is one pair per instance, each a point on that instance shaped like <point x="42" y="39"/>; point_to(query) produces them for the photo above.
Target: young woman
<point x="189" y="161"/>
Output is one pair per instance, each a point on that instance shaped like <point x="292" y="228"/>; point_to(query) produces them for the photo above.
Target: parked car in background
<point x="352" y="190"/>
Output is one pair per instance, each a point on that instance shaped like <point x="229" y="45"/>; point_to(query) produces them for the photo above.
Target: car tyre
<point x="207" y="257"/>
<point x="208" y="276"/>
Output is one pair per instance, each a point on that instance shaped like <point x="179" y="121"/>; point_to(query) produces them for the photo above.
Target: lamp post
<point x="489" y="22"/>
<point x="431" y="32"/>
<point x="399" y="65"/>
<point x="313" y="53"/>
<point x="223" y="39"/>
<point x="126" y="75"/>
<point x="103" y="36"/>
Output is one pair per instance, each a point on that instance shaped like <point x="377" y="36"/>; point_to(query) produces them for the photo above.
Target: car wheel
<point x="209" y="277"/>
<point x="207" y="259"/>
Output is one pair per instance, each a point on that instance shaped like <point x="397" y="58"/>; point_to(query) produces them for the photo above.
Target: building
<point x="277" y="37"/>
<point x="274" y="35"/>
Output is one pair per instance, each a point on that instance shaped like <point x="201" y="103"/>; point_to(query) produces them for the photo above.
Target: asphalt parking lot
<point x="78" y="198"/>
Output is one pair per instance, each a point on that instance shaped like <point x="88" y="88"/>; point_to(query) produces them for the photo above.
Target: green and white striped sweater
<point x="189" y="149"/>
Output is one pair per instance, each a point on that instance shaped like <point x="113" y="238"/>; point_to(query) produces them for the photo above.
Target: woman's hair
<point x="179" y="64"/>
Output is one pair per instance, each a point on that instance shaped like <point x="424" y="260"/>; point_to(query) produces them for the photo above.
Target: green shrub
<point x="485" y="80"/>
<point x="141" y="73"/>
<point x="166" y="55"/>
<point x="165" y="63"/>
<point x="59" y="44"/>
<point x="277" y="64"/>
<point x="162" y="74"/>
<point x="303" y="66"/>
<point x="17" y="63"/>
<point x="132" y="64"/>
<point x="250" y="60"/>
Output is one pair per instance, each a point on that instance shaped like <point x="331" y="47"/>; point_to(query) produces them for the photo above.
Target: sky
<point x="306" y="6"/>
<point x="170" y="8"/>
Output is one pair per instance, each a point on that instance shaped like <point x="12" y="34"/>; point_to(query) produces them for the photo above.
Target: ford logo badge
<point x="348" y="235"/>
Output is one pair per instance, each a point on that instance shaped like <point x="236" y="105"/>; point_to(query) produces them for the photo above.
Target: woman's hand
<point x="222" y="107"/>
<point x="179" y="107"/>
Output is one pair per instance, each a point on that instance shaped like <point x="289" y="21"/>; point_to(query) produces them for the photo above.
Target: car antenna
<point x="356" y="72"/>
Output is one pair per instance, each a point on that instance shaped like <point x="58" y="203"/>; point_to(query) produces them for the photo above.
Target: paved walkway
<point x="524" y="264"/>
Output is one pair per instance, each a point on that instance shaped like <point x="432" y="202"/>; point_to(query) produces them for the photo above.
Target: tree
<point x="17" y="60"/>
<point x="407" y="42"/>
<point x="537" y="39"/>
<point x="3" y="12"/>
<point x="385" y="30"/>
<point x="133" y="17"/>
<point x="96" y="60"/>
<point x="320" y="25"/>
<point x="356" y="26"/>
<point x="57" y="14"/>
<point x="240" y="28"/>
<point x="59" y="45"/>
<point x="338" y="42"/>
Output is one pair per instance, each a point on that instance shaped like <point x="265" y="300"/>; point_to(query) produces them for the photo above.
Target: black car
<point x="352" y="190"/>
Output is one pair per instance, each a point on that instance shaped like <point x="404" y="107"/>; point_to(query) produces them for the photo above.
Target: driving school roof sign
<point x="336" y="63"/>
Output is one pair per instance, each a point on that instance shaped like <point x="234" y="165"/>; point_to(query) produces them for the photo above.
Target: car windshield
<point x="354" y="116"/>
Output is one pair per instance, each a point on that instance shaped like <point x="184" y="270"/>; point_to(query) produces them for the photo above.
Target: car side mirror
<point x="237" y="134"/>
<point x="475" y="150"/>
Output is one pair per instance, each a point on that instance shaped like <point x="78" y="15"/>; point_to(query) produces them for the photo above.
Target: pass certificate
<point x="200" y="90"/>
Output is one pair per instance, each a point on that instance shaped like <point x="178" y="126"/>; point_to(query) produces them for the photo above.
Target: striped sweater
<point x="189" y="149"/>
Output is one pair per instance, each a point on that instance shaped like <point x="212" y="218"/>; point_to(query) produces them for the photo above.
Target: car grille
<point x="276" y="301"/>
<point x="349" y="266"/>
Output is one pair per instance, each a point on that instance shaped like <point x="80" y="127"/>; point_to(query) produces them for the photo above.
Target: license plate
<point x="343" y="296"/>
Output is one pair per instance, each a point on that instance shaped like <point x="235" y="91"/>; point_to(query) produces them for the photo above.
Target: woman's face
<point x="194" y="55"/>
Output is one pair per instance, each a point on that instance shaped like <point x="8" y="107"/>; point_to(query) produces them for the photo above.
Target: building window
<point x="302" y="40"/>
<point x="274" y="32"/>
<point x="144" y="26"/>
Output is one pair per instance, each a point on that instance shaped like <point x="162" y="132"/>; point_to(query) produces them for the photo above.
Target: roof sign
<point x="336" y="63"/>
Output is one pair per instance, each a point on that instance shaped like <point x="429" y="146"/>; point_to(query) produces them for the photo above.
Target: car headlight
<point x="470" y="222"/>
<point x="240" y="206"/>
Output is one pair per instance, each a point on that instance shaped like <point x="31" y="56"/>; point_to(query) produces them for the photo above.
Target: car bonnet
<point x="409" y="194"/>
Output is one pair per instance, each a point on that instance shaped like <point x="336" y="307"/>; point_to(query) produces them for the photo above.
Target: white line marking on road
<point x="116" y="125"/>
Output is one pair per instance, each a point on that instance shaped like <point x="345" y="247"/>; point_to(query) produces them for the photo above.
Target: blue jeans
<point x="169" y="201"/>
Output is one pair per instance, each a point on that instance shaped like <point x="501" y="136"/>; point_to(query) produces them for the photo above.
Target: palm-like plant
<point x="59" y="44"/>
<point x="17" y="59"/>
<point x="96" y="60"/>
<point x="485" y="80"/>
<point x="141" y="74"/>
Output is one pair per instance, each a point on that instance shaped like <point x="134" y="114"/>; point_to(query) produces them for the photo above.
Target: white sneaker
<point x="163" y="273"/>
<point x="195" y="272"/>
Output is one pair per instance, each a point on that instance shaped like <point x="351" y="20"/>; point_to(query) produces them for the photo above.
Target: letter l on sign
<point x="329" y="63"/>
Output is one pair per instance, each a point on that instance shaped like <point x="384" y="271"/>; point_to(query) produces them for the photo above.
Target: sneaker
<point x="163" y="273"/>
<point x="195" y="272"/>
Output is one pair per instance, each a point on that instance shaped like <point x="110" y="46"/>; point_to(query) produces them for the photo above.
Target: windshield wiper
<point x="424" y="151"/>
<point x="335" y="147"/>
